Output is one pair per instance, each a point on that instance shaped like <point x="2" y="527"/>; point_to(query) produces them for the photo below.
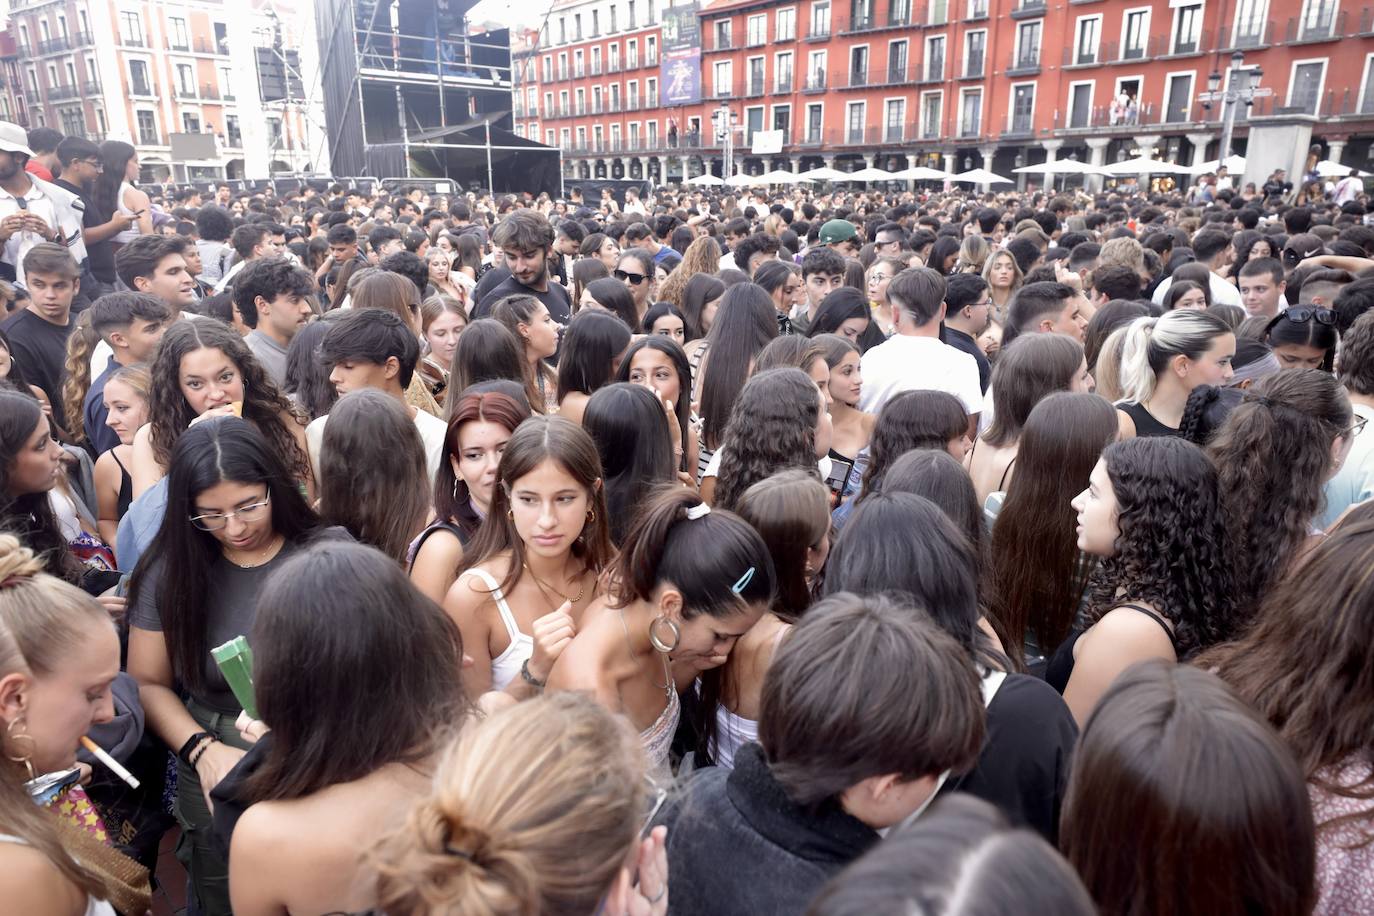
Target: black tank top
<point x="1145" y="423"/>
<point x="1060" y="668"/>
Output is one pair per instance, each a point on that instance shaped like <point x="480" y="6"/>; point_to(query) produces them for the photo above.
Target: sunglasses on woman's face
<point x="624" y="275"/>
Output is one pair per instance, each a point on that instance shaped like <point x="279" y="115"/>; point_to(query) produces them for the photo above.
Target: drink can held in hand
<point x="235" y="660"/>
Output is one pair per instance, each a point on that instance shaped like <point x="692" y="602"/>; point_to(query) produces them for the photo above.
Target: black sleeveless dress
<point x="1145" y="423"/>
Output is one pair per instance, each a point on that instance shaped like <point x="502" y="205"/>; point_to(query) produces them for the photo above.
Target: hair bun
<point x="17" y="562"/>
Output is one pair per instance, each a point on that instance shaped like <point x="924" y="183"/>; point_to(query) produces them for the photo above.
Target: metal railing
<point x="1024" y="64"/>
<point x="973" y="66"/>
<point x="1326" y="26"/>
<point x="63" y="91"/>
<point x="814" y="83"/>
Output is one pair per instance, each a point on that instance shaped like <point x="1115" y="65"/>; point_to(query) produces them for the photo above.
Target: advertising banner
<point x="680" y="71"/>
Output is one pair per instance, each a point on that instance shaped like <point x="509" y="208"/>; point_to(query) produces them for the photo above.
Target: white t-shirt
<point x="905" y="363"/>
<point x="432" y="433"/>
<point x="1223" y="293"/>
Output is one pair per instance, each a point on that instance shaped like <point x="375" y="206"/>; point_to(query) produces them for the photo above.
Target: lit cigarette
<point x="114" y="765"/>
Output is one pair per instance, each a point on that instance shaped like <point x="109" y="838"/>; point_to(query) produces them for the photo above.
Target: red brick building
<point x="950" y="83"/>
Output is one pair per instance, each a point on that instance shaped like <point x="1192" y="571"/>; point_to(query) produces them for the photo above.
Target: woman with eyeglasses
<point x="234" y="515"/>
<point x="1274" y="454"/>
<point x="635" y="269"/>
<point x="1303" y="337"/>
<point x="541" y="808"/>
<point x="880" y="274"/>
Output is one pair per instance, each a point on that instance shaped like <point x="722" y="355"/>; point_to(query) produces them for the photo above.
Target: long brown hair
<point x="41" y="619"/>
<point x="791" y="511"/>
<point x="1307" y="664"/>
<point x="1273" y="455"/>
<point x="1033" y="366"/>
<point x="1035" y="582"/>
<point x="1182" y="801"/>
<point x="379" y="688"/>
<point x="369" y="430"/>
<point x="537" y="440"/>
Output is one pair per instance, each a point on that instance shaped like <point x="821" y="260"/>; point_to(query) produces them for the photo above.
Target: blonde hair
<point x="533" y="813"/>
<point x="41" y="620"/>
<point x="1124" y="251"/>
<point x="973" y="254"/>
<point x="1107" y="369"/>
<point x="80" y="345"/>
<point x="701" y="257"/>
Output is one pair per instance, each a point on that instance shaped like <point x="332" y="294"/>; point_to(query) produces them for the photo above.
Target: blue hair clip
<point x="743" y="581"/>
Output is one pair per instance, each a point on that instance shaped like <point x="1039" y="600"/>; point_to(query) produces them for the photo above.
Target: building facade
<point x="203" y="89"/>
<point x="952" y="84"/>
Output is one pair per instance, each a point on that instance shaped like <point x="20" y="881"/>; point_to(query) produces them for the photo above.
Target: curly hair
<point x="263" y="403"/>
<point x="701" y="257"/>
<point x="1273" y="455"/>
<point x="772" y="428"/>
<point x="1173" y="551"/>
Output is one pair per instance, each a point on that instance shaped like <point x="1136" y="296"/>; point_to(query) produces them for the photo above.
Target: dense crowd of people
<point x="815" y="551"/>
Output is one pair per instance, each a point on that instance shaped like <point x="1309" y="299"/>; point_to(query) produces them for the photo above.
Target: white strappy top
<point x="732" y="733"/>
<point x="94" y="907"/>
<point x="506" y="666"/>
<point x="658" y="738"/>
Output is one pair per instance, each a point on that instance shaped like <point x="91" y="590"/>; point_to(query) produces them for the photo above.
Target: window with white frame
<point x="932" y="105"/>
<point x="971" y="112"/>
<point x="935" y="58"/>
<point x="782" y="72"/>
<point x="975" y="52"/>
<point x="563" y="108"/>
<point x="180" y="37"/>
<point x="894" y="120"/>
<point x="720" y="29"/>
<point x="1087" y="39"/>
<point x="632" y="54"/>
<point x="1028" y="44"/>
<point x="146" y="119"/>
<point x="651" y="51"/>
<point x="820" y="19"/>
<point x="1318" y="18"/>
<point x="632" y="95"/>
<point x="596" y="100"/>
<point x="651" y="92"/>
<point x="721" y="83"/>
<point x="1135" y="33"/>
<point x="581" y="100"/>
<point x="815" y="70"/>
<point x="563" y="65"/>
<point x="1080" y="104"/>
<point x="756" y="30"/>
<point x="1022" y="108"/>
<point x="186" y="81"/>
<point x="1178" y="97"/>
<point x="190" y="122"/>
<point x="1367" y="86"/>
<point x="1251" y="18"/>
<point x="577" y="63"/>
<point x="815" y="123"/>
<point x="1305" y="85"/>
<point x="854" y="115"/>
<point x="139" y="84"/>
<point x="1187" y="28"/>
<point x="785" y="24"/>
<point x="131" y="29"/>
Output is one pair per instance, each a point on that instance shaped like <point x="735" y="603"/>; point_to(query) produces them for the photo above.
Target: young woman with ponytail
<point x="1274" y="455"/>
<point x="1163" y="360"/>
<point x="689" y="582"/>
<point x="541" y="809"/>
<point x="59" y="654"/>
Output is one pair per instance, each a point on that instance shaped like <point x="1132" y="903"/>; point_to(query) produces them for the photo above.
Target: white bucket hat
<point x="14" y="139"/>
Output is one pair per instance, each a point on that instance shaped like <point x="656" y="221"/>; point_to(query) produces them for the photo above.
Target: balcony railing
<point x="631" y="61"/>
<point x="1246" y="35"/>
<point x="756" y="39"/>
<point x="1103" y="118"/>
<point x="721" y="43"/>
<point x="1027" y="63"/>
<point x="578" y="72"/>
<point x="898" y="15"/>
<point x="139" y="88"/>
<point x="174" y="44"/>
<point x="754" y="86"/>
<point x="814" y="83"/>
<point x="53" y="45"/>
<point x="933" y="71"/>
<point x="970" y="127"/>
<point x="1325" y="26"/>
<point x="132" y="41"/>
<point x="650" y="59"/>
<point x="1021" y="125"/>
<point x="859" y="24"/>
<point x="893" y="133"/>
<point x="973" y="66"/>
<point x="596" y="106"/>
<point x="782" y="85"/>
<point x="63" y="91"/>
<point x="857" y="79"/>
<point x="209" y="92"/>
<point x="185" y="92"/>
<point x="818" y="31"/>
<point x="977" y="9"/>
<point x="596" y="68"/>
<point x="1083" y="57"/>
<point x="82" y="39"/>
<point x="892" y="76"/>
<point x="1028" y="9"/>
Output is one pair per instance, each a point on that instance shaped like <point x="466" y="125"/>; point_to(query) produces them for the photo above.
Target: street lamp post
<point x="1242" y="88"/>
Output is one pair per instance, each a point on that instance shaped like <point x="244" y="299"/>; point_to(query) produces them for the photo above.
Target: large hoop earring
<point x="14" y="737"/>
<point x="591" y="516"/>
<point x="657" y="641"/>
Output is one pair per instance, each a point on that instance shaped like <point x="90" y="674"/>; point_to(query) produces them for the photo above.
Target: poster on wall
<point x="680" y="71"/>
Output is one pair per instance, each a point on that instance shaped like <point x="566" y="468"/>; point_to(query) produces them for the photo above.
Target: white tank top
<point x="506" y="666"/>
<point x="732" y="733"/>
<point x="128" y="235"/>
<point x="94" y="907"/>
